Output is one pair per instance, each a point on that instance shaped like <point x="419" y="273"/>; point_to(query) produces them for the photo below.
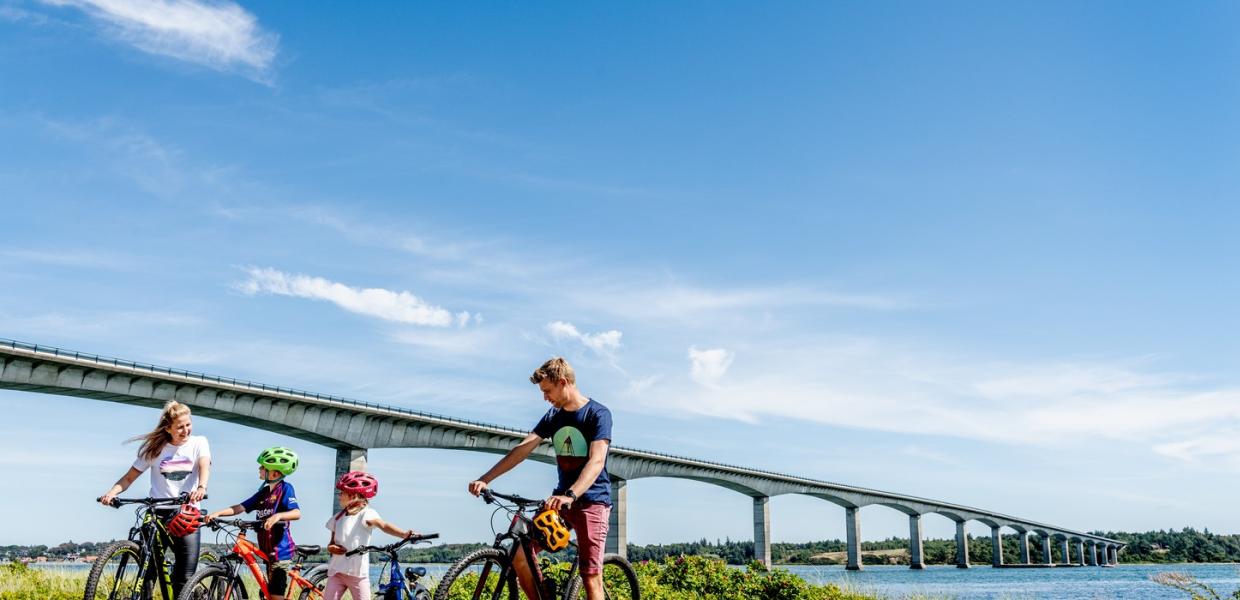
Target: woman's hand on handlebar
<point x="335" y="549"/>
<point x="476" y="486"/>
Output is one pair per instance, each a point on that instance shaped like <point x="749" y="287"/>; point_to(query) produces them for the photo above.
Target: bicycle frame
<point x="522" y="541"/>
<point x="396" y="577"/>
<point x="153" y="538"/>
<point x="244" y="551"/>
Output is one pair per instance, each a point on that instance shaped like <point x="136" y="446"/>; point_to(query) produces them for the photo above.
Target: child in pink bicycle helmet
<point x="351" y="528"/>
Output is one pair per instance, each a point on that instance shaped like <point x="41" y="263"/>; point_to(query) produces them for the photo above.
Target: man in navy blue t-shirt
<point x="580" y="432"/>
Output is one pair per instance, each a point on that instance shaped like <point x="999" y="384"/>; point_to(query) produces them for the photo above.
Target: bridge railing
<point x="139" y="366"/>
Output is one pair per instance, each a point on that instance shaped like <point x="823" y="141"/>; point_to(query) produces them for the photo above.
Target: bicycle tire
<point x="213" y="583"/>
<point x="128" y="557"/>
<point x="318" y="578"/>
<point x="460" y="583"/>
<point x="619" y="581"/>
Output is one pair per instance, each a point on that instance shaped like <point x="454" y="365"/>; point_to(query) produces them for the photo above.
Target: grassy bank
<point x="681" y="578"/>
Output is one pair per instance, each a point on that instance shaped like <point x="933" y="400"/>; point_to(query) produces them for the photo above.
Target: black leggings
<point x="185" y="552"/>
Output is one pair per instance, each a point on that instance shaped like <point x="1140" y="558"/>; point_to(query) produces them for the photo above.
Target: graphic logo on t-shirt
<point x="176" y="468"/>
<point x="568" y="441"/>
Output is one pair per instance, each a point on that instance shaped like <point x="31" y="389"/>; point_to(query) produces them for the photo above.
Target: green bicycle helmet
<point x="279" y="459"/>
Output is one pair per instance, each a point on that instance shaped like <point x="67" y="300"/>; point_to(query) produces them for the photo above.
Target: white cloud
<point x="219" y="35"/>
<point x="603" y="342"/>
<point x="399" y="307"/>
<point x="880" y="386"/>
<point x="709" y="366"/>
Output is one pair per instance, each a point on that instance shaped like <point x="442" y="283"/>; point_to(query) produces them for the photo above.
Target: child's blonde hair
<point x="154" y="442"/>
<point x="554" y="370"/>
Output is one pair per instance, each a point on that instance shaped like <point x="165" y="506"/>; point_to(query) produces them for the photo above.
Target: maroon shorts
<point x="590" y="521"/>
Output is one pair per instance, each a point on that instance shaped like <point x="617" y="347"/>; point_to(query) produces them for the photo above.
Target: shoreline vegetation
<point x="1187" y="545"/>
<point x="680" y="578"/>
<point x="674" y="578"/>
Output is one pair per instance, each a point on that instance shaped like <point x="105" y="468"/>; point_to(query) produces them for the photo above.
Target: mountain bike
<point x="400" y="585"/>
<point x="132" y="569"/>
<point x="221" y="579"/>
<point x="489" y="573"/>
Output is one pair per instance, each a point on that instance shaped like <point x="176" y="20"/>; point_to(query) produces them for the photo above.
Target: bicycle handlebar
<point x="391" y="548"/>
<point x="118" y="502"/>
<point x="489" y="497"/>
<point x="243" y="524"/>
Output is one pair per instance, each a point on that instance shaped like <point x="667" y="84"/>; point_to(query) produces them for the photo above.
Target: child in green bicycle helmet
<point x="276" y="504"/>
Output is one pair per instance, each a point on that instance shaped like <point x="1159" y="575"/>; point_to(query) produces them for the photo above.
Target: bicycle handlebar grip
<point x="429" y="536"/>
<point x="487" y="496"/>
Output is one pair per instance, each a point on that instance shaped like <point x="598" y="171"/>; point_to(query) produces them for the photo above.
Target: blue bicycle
<point x="400" y="585"/>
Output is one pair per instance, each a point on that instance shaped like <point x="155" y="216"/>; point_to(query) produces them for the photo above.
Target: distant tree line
<point x="1186" y="545"/>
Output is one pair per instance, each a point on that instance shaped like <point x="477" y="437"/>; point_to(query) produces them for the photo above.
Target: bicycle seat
<point x="308" y="550"/>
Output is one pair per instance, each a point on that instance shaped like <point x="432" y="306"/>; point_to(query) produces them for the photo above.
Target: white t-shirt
<point x="175" y="469"/>
<point x="351" y="531"/>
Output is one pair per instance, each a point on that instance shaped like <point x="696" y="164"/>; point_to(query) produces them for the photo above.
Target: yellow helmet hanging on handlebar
<point x="551" y="529"/>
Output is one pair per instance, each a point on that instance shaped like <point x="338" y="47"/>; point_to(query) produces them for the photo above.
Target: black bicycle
<point x="406" y="585"/>
<point x="489" y="573"/>
<point x="134" y="568"/>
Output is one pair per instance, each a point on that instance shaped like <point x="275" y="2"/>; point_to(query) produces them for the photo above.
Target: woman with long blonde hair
<point x="179" y="463"/>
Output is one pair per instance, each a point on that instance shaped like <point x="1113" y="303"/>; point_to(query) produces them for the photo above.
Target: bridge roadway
<point x="353" y="427"/>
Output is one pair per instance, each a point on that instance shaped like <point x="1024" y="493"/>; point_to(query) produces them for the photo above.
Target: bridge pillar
<point x="1080" y="553"/>
<point x="617" y="526"/>
<point x="852" y="530"/>
<point x="347" y="459"/>
<point x="916" y="559"/>
<point x="1114" y="555"/>
<point x="962" y="546"/>
<point x="762" y="529"/>
<point x="1046" y="550"/>
<point x="1024" y="547"/>
<point x="996" y="547"/>
<point x="1091" y="554"/>
<point x="1067" y="556"/>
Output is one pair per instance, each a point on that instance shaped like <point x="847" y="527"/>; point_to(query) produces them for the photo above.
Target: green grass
<point x="20" y="582"/>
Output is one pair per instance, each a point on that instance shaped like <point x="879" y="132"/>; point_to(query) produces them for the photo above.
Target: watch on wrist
<point x="570" y="494"/>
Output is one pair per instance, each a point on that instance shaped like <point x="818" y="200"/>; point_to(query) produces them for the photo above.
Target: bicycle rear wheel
<point x="619" y="581"/>
<point x="115" y="574"/>
<point x="479" y="576"/>
<point x="213" y="583"/>
<point x="317" y="578"/>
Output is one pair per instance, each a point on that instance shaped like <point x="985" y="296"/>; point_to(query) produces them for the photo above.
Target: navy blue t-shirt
<point x="278" y="543"/>
<point x="571" y="433"/>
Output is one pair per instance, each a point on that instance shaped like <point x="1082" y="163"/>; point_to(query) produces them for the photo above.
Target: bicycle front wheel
<point x="480" y="575"/>
<point x="115" y="574"/>
<point x="213" y="583"/>
<point x="619" y="581"/>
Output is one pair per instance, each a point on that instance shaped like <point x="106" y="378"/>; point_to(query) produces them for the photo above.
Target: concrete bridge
<point x="353" y="427"/>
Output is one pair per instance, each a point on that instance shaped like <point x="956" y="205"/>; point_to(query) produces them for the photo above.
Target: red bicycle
<point x="221" y="580"/>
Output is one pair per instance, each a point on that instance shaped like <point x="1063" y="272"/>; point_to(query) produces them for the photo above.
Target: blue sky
<point x="975" y="252"/>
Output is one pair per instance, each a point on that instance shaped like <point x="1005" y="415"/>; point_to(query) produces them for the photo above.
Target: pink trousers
<point x="337" y="583"/>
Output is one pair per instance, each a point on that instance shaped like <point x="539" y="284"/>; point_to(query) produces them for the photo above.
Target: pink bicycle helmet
<point x="360" y="483"/>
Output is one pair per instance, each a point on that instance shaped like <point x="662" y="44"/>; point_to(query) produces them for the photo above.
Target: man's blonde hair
<point x="554" y="370"/>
